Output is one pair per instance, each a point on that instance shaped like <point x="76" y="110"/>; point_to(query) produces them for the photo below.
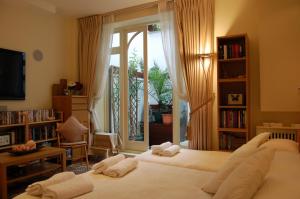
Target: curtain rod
<point x="123" y="10"/>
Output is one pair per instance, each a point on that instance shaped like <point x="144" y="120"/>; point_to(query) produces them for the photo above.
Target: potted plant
<point x="160" y="89"/>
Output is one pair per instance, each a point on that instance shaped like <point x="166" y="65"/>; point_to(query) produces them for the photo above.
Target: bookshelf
<point x="17" y="127"/>
<point x="233" y="91"/>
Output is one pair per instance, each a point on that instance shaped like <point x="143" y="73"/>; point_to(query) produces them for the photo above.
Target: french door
<point x="134" y="88"/>
<point x="137" y="55"/>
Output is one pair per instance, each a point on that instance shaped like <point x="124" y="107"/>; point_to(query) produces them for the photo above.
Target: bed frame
<point x="284" y="132"/>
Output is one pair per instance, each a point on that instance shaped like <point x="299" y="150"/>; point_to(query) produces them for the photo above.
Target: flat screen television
<point x="12" y="75"/>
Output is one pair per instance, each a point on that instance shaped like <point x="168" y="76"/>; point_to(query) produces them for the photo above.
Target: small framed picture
<point x="5" y="139"/>
<point x="235" y="99"/>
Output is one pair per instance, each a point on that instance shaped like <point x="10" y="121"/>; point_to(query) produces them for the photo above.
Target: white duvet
<point x="148" y="181"/>
<point x="187" y="158"/>
<point x="283" y="178"/>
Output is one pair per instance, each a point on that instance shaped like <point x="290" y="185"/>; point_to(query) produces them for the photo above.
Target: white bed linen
<point x="283" y="179"/>
<point x="148" y="181"/>
<point x="187" y="158"/>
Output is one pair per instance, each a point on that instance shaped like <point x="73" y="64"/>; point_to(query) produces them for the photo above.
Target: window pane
<point x="115" y="60"/>
<point x="116" y="40"/>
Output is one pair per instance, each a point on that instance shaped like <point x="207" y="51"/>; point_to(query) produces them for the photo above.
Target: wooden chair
<point x="73" y="146"/>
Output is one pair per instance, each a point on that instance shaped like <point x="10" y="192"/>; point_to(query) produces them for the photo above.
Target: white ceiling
<point x="80" y="8"/>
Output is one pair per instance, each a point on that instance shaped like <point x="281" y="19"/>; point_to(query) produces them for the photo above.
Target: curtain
<point x="88" y="50"/>
<point x="89" y="31"/>
<point x="194" y="19"/>
<point x="102" y="68"/>
<point x="170" y="47"/>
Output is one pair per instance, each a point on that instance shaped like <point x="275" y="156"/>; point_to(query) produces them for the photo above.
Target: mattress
<point x="148" y="181"/>
<point x="187" y="158"/>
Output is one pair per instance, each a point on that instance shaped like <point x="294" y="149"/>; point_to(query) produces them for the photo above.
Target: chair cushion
<point x="72" y="130"/>
<point x="73" y="143"/>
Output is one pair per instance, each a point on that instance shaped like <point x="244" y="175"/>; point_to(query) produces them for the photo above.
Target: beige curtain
<point x="195" y="33"/>
<point x="88" y="52"/>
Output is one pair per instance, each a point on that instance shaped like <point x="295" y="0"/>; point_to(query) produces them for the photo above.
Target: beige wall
<point x="26" y="28"/>
<point x="246" y="16"/>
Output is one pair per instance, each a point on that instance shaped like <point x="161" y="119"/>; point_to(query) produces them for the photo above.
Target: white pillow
<point x="244" y="150"/>
<point x="259" y="139"/>
<point x="245" y="180"/>
<point x="282" y="145"/>
<point x="234" y="160"/>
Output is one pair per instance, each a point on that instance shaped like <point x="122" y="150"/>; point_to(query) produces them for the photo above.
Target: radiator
<point x="290" y="133"/>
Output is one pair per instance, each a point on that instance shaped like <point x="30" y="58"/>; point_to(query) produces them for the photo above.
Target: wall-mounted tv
<point x="12" y="75"/>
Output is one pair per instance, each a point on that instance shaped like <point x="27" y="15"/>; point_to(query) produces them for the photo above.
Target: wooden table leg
<point x="63" y="160"/>
<point x="3" y="182"/>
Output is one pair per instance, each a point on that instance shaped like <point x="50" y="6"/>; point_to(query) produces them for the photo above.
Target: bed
<point x="149" y="180"/>
<point x="152" y="180"/>
<point x="187" y="158"/>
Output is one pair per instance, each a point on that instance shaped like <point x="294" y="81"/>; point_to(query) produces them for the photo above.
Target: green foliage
<point x="160" y="85"/>
<point x="135" y="64"/>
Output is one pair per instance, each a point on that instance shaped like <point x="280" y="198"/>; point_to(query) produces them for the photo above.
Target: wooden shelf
<point x="233" y="78"/>
<point x="35" y="170"/>
<point x="11" y="125"/>
<point x="30" y="123"/>
<point x="232" y="107"/>
<point x="229" y="80"/>
<point x="7" y="147"/>
<point x="236" y="130"/>
<point x="22" y="132"/>
<point x="44" y="122"/>
<point x="36" y="141"/>
<point x="232" y="59"/>
<point x="46" y="140"/>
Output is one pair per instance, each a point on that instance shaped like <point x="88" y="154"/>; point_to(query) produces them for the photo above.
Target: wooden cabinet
<point x="233" y="91"/>
<point x="159" y="133"/>
<point x="76" y="106"/>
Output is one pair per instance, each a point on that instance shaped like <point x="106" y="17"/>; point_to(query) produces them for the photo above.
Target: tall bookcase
<point x="233" y="91"/>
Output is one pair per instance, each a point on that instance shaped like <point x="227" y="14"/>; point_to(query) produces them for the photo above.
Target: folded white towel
<point x="37" y="188"/>
<point x="104" y="164"/>
<point x="74" y="187"/>
<point x="121" y="168"/>
<point x="156" y="149"/>
<point x="170" y="151"/>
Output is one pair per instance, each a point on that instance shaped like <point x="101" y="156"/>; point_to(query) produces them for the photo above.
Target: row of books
<point x="42" y="132"/>
<point x="231" y="51"/>
<point x="11" y="117"/>
<point x="233" y="119"/>
<point x="40" y="115"/>
<point x="17" y="117"/>
<point x="230" y="141"/>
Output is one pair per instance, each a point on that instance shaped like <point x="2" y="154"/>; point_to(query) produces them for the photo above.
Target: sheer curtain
<point x="170" y="47"/>
<point x="195" y="33"/>
<point x="102" y="68"/>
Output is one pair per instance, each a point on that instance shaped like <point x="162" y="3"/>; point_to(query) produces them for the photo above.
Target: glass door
<point x="136" y="89"/>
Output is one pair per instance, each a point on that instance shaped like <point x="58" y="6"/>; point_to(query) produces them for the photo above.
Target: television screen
<point x="12" y="75"/>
